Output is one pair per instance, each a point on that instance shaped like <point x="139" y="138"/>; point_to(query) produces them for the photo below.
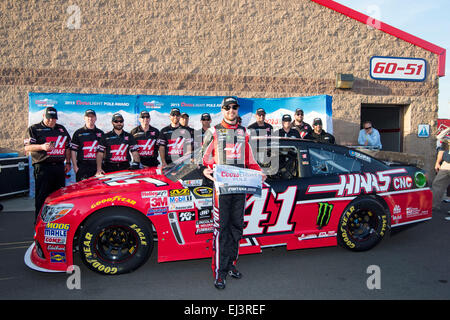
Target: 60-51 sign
<point x="401" y="69"/>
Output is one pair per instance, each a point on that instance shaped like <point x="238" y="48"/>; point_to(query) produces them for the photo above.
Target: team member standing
<point x="174" y="140"/>
<point x="286" y="130"/>
<point x="199" y="134"/>
<point x="260" y="127"/>
<point x="318" y="134"/>
<point x="146" y="137"/>
<point x="84" y="146"/>
<point x="302" y="127"/>
<point x="48" y="143"/>
<point x="115" y="147"/>
<point x="227" y="143"/>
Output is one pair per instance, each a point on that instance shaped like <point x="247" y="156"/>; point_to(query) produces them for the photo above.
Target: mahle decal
<point x="324" y="215"/>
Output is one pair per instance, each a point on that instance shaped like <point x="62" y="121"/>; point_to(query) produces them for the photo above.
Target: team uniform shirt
<point x="265" y="130"/>
<point x="322" y="137"/>
<point x="117" y="148"/>
<point x="292" y="133"/>
<point x="85" y="143"/>
<point x="39" y="133"/>
<point x="304" y="129"/>
<point x="228" y="144"/>
<point x="176" y="140"/>
<point x="147" y="142"/>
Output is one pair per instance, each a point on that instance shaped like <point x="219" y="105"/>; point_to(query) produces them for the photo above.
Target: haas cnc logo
<point x="146" y="147"/>
<point x="90" y="149"/>
<point x="119" y="152"/>
<point x="59" y="147"/>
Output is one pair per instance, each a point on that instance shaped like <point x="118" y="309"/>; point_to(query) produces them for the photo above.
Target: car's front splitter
<point x="28" y="260"/>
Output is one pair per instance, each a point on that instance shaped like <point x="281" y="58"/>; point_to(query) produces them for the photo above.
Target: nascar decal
<point x="324" y="215"/>
<point x="357" y="183"/>
<point x="270" y="214"/>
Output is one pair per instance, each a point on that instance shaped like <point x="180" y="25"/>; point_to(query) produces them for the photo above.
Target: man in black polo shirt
<point x="302" y="127"/>
<point x="84" y="146"/>
<point x="286" y="130"/>
<point x="318" y="134"/>
<point x="174" y="141"/>
<point x="48" y="143"/>
<point x="146" y="137"/>
<point x="260" y="128"/>
<point x="115" y="147"/>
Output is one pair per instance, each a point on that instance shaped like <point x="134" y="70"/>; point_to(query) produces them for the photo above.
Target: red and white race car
<point x="319" y="195"/>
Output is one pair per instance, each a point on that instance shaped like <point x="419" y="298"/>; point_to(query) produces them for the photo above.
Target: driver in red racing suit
<point x="227" y="143"/>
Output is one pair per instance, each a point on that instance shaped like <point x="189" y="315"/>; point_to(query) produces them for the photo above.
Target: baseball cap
<point x="144" y="113"/>
<point x="184" y="115"/>
<point x="205" y="116"/>
<point x="89" y="112"/>
<point x="229" y="100"/>
<point x="116" y="116"/>
<point x="260" y="111"/>
<point x="317" y="121"/>
<point x="51" y="113"/>
<point x="299" y="111"/>
<point x="175" y="111"/>
<point x="286" y="117"/>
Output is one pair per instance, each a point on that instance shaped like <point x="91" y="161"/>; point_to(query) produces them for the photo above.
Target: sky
<point x="424" y="19"/>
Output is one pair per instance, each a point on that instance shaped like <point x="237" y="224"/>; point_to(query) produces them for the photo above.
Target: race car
<point x="315" y="195"/>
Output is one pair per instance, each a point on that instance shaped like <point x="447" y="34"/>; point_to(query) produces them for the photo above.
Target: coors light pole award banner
<point x="71" y="108"/>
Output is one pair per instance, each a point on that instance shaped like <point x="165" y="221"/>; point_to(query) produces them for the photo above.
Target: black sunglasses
<point x="234" y="107"/>
<point x="368" y="128"/>
<point x="118" y="121"/>
<point x="145" y="117"/>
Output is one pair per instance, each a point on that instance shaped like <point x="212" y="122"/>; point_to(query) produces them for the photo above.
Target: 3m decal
<point x="324" y="215"/>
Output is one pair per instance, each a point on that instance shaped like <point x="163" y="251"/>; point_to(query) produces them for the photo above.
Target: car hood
<point x="116" y="182"/>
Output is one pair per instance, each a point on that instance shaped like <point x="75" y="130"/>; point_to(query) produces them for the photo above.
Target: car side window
<point x="283" y="163"/>
<point x="327" y="162"/>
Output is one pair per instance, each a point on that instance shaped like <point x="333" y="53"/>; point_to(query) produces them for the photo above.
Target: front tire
<point x="116" y="241"/>
<point x="362" y="225"/>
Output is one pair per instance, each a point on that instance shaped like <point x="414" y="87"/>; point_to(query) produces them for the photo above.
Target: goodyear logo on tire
<point x="324" y="214"/>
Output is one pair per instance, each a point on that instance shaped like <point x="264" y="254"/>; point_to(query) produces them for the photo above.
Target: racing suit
<point x="227" y="144"/>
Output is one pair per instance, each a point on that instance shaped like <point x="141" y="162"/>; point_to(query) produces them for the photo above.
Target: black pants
<point x="228" y="217"/>
<point x="112" y="167"/>
<point x="48" y="178"/>
<point x="85" y="171"/>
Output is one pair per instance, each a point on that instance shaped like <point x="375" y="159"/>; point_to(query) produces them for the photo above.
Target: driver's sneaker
<point x="235" y="273"/>
<point x="220" y="283"/>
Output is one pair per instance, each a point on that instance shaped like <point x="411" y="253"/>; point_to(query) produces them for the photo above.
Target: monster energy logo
<point x="324" y="214"/>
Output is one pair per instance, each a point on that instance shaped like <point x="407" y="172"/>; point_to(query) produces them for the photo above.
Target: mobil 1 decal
<point x="270" y="213"/>
<point x="324" y="214"/>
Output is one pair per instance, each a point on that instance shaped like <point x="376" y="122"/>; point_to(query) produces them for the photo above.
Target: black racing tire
<point x="115" y="241"/>
<point x="363" y="224"/>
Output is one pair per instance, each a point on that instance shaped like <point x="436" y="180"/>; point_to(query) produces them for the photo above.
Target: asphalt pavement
<point x="411" y="264"/>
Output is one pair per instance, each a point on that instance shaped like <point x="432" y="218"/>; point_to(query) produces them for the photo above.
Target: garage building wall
<point x="255" y="48"/>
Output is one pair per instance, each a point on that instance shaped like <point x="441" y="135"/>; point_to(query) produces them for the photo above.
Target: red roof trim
<point x="441" y="52"/>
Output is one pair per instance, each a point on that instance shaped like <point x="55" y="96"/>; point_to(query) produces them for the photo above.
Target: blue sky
<point x="424" y="19"/>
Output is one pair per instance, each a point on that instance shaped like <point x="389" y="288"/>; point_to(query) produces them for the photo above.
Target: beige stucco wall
<point x="254" y="48"/>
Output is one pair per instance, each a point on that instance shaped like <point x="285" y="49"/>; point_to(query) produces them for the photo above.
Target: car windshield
<point x="184" y="167"/>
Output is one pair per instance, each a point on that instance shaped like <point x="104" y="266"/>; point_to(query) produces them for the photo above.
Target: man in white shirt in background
<point x="369" y="136"/>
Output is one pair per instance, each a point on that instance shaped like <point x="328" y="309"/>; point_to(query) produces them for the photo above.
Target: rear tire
<point x="363" y="225"/>
<point x="116" y="241"/>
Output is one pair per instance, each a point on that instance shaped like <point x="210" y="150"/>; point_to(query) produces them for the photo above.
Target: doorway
<point x="388" y="120"/>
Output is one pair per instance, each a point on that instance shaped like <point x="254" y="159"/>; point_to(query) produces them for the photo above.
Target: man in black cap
<point x="174" y="141"/>
<point x="302" y="127"/>
<point x="286" y="130"/>
<point x="318" y="134"/>
<point x="184" y="124"/>
<point x="146" y="137"/>
<point x="260" y="127"/>
<point x="115" y="147"/>
<point x="84" y="146"/>
<point x="199" y="134"/>
<point x="48" y="142"/>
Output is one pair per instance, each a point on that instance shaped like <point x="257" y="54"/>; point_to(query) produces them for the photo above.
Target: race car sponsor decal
<point x="323" y="234"/>
<point x="179" y="192"/>
<point x="357" y="183"/>
<point x="361" y="156"/>
<point x="204" y="214"/>
<point x="181" y="203"/>
<point x="401" y="183"/>
<point x="186" y="216"/>
<point x="192" y="183"/>
<point x="203" y="192"/>
<point x="56" y="233"/>
<point x="58" y="257"/>
<point x="204" y="226"/>
<point x="324" y="215"/>
<point x="112" y="200"/>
